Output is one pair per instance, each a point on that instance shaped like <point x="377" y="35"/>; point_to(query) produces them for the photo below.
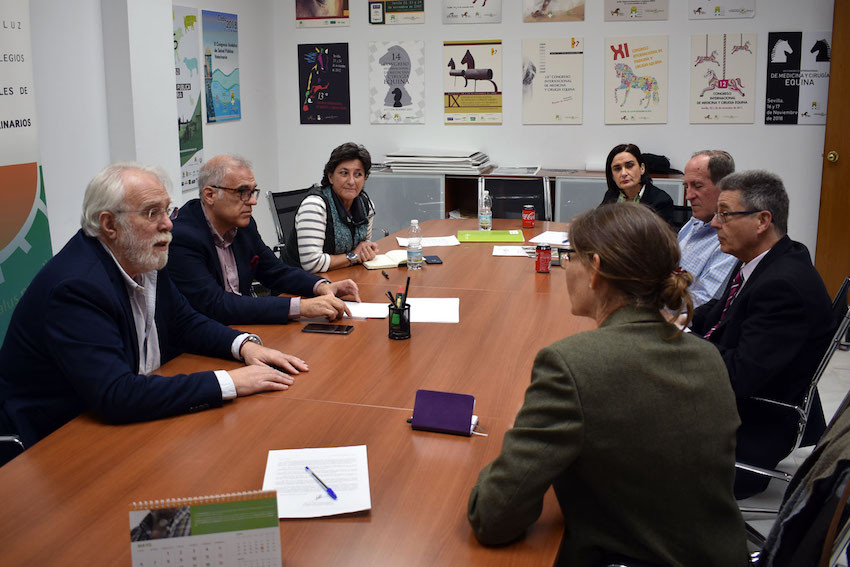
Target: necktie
<point x="733" y="291"/>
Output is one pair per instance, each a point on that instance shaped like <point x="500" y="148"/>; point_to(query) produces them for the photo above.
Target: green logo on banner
<point x="24" y="236"/>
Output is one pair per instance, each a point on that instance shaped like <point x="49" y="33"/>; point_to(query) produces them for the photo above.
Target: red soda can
<point x="528" y="216"/>
<point x="544" y="258"/>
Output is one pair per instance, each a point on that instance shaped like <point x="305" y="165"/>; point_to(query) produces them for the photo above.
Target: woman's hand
<point x="366" y="250"/>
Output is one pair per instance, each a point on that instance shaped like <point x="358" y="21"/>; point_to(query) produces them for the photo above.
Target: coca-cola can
<point x="528" y="216"/>
<point x="544" y="258"/>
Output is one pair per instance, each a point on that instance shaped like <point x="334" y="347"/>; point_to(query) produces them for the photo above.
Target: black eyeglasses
<point x="723" y="216"/>
<point x="244" y="194"/>
<point x="568" y="253"/>
<point x="153" y="214"/>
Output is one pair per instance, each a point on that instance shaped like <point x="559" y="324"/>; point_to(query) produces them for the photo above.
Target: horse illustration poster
<point x="636" y="80"/>
<point x="472" y="73"/>
<point x="321" y="13"/>
<point x="723" y="78"/>
<point x="721" y="9"/>
<point x="552" y="80"/>
<point x="397" y="82"/>
<point x="472" y="11"/>
<point x="534" y="11"/>
<point x="633" y="10"/>
<point x="323" y="82"/>
<point x="397" y="12"/>
<point x="797" y="77"/>
<point x="221" y="66"/>
<point x="187" y="55"/>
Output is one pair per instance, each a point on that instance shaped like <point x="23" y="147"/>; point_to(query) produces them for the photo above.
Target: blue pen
<point x="325" y="486"/>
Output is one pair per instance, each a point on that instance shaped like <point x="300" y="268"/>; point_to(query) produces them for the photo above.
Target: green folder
<point x="490" y="236"/>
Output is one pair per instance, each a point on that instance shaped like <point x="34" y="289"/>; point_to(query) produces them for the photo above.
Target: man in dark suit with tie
<point x="101" y="316"/>
<point x="217" y="253"/>
<point x="771" y="325"/>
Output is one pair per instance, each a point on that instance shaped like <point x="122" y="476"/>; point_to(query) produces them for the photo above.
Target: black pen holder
<point x="399" y="322"/>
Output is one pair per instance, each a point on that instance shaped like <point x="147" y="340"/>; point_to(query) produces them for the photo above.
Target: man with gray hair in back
<point x="771" y="325"/>
<point x="218" y="253"/>
<point x="701" y="253"/>
<point x="101" y="316"/>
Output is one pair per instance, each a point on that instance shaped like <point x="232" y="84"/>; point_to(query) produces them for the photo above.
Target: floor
<point x="833" y="386"/>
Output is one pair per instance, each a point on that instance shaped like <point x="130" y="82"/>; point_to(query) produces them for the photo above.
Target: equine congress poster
<point x="397" y="82"/>
<point x="552" y="80"/>
<point x="723" y="78"/>
<point x="636" y="80"/>
<point x="472" y="82"/>
<point x="323" y="83"/>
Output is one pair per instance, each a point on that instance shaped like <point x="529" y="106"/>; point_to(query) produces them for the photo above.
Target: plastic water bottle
<point x="485" y="212"/>
<point x="414" y="246"/>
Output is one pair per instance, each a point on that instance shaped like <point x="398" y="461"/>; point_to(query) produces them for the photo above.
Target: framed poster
<point x="397" y="82"/>
<point x="471" y="78"/>
<point x="797" y="77"/>
<point x="720" y="9"/>
<point x="634" y="10"/>
<point x="534" y="11"/>
<point x="723" y="78"/>
<point x="552" y="80"/>
<point x="324" y="84"/>
<point x="392" y="12"/>
<point x="636" y="80"/>
<point x="321" y="13"/>
<point x="187" y="56"/>
<point x="221" y="66"/>
<point x="472" y="11"/>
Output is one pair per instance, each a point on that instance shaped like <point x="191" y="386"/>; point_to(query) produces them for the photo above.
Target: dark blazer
<point x="772" y="339"/>
<point x="71" y="347"/>
<point x="653" y="197"/>
<point x="638" y="442"/>
<point x="194" y="266"/>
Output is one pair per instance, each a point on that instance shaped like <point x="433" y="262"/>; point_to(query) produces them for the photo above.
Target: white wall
<point x="793" y="152"/>
<point x="71" y="94"/>
<point x="70" y="81"/>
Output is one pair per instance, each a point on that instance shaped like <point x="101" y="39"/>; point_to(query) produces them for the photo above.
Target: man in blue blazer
<point x="775" y="328"/>
<point x="217" y="252"/>
<point x="101" y="316"/>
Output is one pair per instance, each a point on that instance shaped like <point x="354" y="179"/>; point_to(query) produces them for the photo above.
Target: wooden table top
<point x="66" y="499"/>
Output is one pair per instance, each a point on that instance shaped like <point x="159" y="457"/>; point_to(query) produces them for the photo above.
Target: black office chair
<point x="10" y="447"/>
<point x="284" y="205"/>
<point x="838" y="306"/>
<point x="681" y="215"/>
<point x="510" y="194"/>
<point x="804" y="408"/>
<point x="813" y="521"/>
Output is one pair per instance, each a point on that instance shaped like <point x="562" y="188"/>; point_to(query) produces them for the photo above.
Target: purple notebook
<point x="444" y="412"/>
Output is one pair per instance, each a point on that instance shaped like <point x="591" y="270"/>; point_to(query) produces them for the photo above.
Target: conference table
<point x="66" y="499"/>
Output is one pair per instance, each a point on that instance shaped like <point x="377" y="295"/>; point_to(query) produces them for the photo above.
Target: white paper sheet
<point x="368" y="310"/>
<point x="434" y="309"/>
<point x="343" y="469"/>
<point x="433" y="241"/>
<point x="551" y="237"/>
<point x="422" y="309"/>
<point x="524" y="251"/>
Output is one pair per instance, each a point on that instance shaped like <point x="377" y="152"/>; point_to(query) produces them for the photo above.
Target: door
<point x="832" y="258"/>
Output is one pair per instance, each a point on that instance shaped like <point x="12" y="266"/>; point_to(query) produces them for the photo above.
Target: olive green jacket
<point x="636" y="432"/>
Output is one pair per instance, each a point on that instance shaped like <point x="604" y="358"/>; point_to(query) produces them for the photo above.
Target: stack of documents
<point x="420" y="160"/>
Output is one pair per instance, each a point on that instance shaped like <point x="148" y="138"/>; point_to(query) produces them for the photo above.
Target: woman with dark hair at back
<point x="632" y="423"/>
<point x="625" y="172"/>
<point x="333" y="224"/>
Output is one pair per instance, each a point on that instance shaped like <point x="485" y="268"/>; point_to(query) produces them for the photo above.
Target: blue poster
<point x="221" y="67"/>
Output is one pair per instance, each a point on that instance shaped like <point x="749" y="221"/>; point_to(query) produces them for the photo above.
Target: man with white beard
<point x="100" y="317"/>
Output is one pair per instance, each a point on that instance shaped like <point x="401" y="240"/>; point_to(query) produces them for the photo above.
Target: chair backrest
<point x="843" y="325"/>
<point x="839" y="303"/>
<point x="510" y="194"/>
<point x="284" y="205"/>
<point x="681" y="215"/>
